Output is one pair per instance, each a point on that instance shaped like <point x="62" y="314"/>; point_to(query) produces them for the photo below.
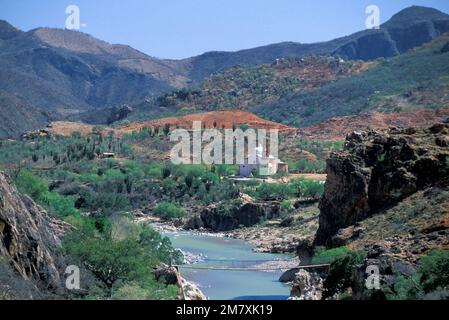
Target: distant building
<point x="259" y="164"/>
<point x="107" y="155"/>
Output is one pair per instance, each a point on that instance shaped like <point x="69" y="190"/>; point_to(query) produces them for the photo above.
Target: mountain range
<point x="52" y="74"/>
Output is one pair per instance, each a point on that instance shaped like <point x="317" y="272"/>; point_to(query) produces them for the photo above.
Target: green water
<point x="227" y="252"/>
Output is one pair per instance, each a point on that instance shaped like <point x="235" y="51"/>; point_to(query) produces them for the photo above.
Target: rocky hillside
<point x="409" y="28"/>
<point x="398" y="179"/>
<point x="336" y="128"/>
<point x="61" y="73"/>
<point x="414" y="80"/>
<point x="247" y="87"/>
<point x="53" y="74"/>
<point x="29" y="240"/>
<point x="304" y="92"/>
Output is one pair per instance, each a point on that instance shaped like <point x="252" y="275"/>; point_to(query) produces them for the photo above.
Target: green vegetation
<point x="434" y="270"/>
<point x="274" y="191"/>
<point x="37" y="189"/>
<point x="245" y="87"/>
<point x="339" y="277"/>
<point x="167" y="210"/>
<point x="283" y="191"/>
<point x="329" y="255"/>
<point x="66" y="176"/>
<point x="122" y="256"/>
<point x="430" y="282"/>
<point x="319" y="149"/>
<point x="295" y="188"/>
<point x="307" y="166"/>
<point x="414" y="80"/>
<point x="308" y="188"/>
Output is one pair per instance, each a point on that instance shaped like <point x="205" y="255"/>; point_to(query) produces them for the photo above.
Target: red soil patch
<point x="337" y="128"/>
<point x="222" y="119"/>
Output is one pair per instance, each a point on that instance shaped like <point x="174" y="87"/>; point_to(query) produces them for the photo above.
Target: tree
<point x="339" y="277"/>
<point x="167" y="210"/>
<point x="188" y="180"/>
<point x="166" y="172"/>
<point x="109" y="259"/>
<point x="119" y="251"/>
<point x="167" y="129"/>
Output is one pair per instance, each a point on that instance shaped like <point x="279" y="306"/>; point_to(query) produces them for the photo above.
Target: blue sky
<point x="183" y="28"/>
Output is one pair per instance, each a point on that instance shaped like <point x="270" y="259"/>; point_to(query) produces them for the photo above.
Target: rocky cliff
<point x="375" y="172"/>
<point x="29" y="239"/>
<point x="224" y="217"/>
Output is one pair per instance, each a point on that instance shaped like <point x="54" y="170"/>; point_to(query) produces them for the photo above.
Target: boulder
<point x="307" y="286"/>
<point x="170" y="275"/>
<point x="191" y="291"/>
<point x="167" y="275"/>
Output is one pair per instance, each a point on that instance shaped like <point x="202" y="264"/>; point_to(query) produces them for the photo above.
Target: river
<point x="228" y="252"/>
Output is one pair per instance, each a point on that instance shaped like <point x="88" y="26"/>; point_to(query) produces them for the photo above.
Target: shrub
<point x="309" y="166"/>
<point x="339" y="277"/>
<point x="330" y="255"/>
<point x="154" y="171"/>
<point x="153" y="241"/>
<point x="168" y="210"/>
<point x="58" y="204"/>
<point x="188" y="181"/>
<point x="434" y="270"/>
<point x="286" y="204"/>
<point x="166" y="172"/>
<point x="37" y="189"/>
<point x="223" y="170"/>
<point x="269" y="191"/>
<point x="308" y="188"/>
<point x="29" y="184"/>
<point x="149" y="290"/>
<point x="404" y="288"/>
<point x="131" y="291"/>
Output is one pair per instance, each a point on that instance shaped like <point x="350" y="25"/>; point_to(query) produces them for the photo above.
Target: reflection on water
<point x="227" y="252"/>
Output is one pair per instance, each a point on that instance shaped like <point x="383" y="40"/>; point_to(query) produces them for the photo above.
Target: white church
<point x="259" y="164"/>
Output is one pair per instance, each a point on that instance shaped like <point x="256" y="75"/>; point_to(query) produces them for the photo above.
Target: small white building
<point x="258" y="164"/>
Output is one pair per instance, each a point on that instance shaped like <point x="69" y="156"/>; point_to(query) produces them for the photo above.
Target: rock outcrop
<point x="389" y="268"/>
<point x="29" y="239"/>
<point x="376" y="171"/>
<point x="224" y="217"/>
<point x="187" y="290"/>
<point x="307" y="286"/>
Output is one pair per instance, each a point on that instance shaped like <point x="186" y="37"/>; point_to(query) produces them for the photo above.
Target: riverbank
<point x="230" y="269"/>
<point x="272" y="236"/>
<point x="223" y="265"/>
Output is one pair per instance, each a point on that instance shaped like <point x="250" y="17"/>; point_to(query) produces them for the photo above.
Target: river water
<point x="228" y="252"/>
